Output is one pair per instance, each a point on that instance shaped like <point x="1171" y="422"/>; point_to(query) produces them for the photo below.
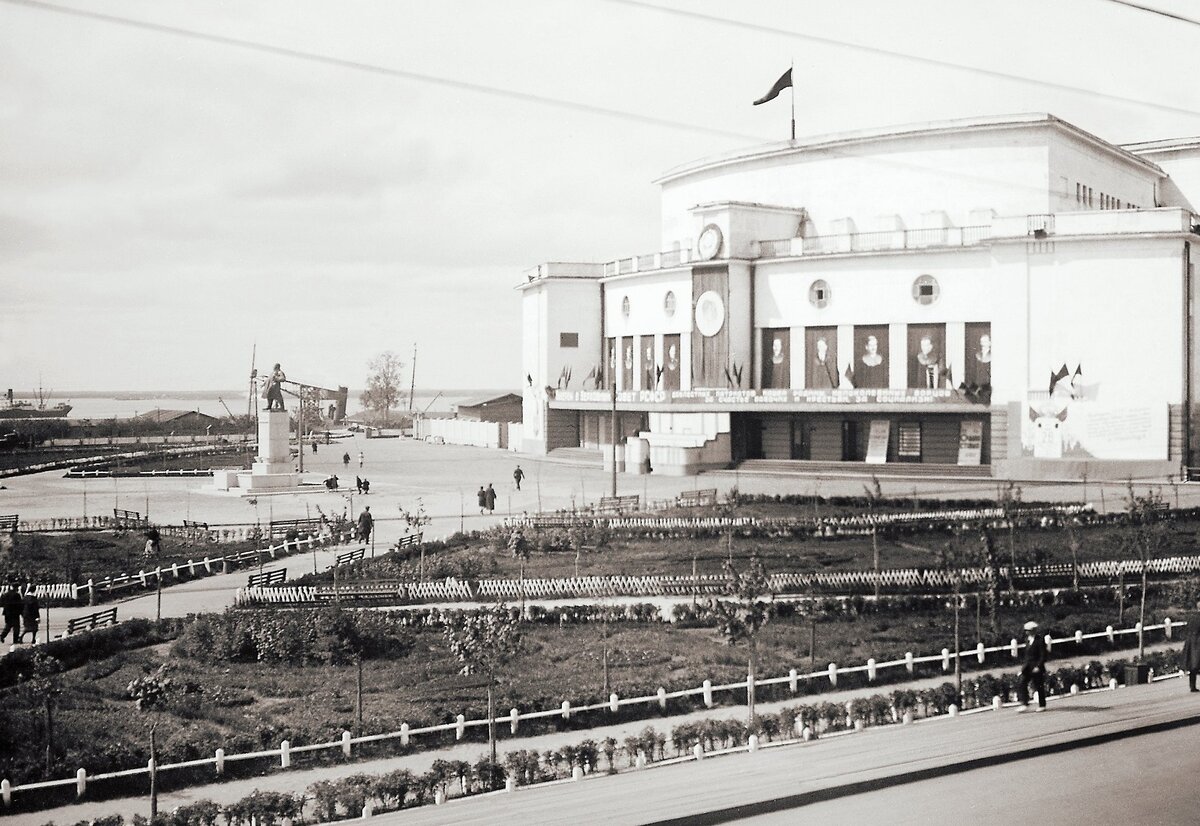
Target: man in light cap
<point x="1034" y="669"/>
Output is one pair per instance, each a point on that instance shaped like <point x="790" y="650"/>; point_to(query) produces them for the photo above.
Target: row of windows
<point x="1086" y="196"/>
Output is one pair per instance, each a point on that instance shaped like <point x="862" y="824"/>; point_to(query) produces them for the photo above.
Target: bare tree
<point x="484" y="642"/>
<point x="383" y="384"/>
<point x="1146" y="534"/>
<point x="748" y="605"/>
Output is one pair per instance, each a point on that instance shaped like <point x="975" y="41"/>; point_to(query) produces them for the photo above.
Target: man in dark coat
<point x="490" y="493"/>
<point x="31" y="613"/>
<point x="10" y="607"/>
<point x="365" y="523"/>
<point x="1034" y="669"/>
<point x="1191" y="649"/>
<point x="482" y="497"/>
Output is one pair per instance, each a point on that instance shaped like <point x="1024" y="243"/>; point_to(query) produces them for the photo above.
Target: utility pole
<point x="300" y="429"/>
<point x="412" y="387"/>
<point x="614" y="436"/>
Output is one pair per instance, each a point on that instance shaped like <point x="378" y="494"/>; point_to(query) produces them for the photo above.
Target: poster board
<point x="877" y="441"/>
<point x="970" y="443"/>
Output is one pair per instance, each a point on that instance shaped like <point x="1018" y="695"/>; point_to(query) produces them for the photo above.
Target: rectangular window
<point x="1078" y="193"/>
<point x="908" y="447"/>
<point x="568" y="339"/>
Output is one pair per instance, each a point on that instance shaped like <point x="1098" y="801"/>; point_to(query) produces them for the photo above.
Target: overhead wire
<point x="1161" y="12"/>
<point x="891" y="53"/>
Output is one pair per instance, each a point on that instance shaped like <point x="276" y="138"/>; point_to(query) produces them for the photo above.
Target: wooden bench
<point x="697" y="498"/>
<point x="267" y="579"/>
<point x="346" y="557"/>
<point x="195" y="526"/>
<point x="97" y="620"/>
<point x="279" y="528"/>
<point x="413" y="540"/>
<point x="129" y="519"/>
<point x="8" y="524"/>
<point x="619" y="504"/>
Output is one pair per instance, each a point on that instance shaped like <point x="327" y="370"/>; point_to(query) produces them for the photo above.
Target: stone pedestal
<point x="273" y="469"/>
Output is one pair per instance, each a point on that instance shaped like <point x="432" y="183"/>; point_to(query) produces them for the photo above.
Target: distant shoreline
<point x="137" y="395"/>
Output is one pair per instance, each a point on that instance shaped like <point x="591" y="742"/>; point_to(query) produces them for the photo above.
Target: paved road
<point x="789" y="782"/>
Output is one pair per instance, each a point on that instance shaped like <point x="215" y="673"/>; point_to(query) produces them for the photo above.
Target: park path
<point x="297" y="780"/>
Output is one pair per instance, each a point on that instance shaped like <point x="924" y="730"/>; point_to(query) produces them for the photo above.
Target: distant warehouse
<point x="1004" y="296"/>
<point x="484" y="421"/>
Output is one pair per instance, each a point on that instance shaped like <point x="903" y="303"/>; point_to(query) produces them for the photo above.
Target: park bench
<point x="697" y="498"/>
<point x="413" y="540"/>
<point x="97" y="620"/>
<point x="346" y="557"/>
<point x="129" y="519"/>
<point x="196" y="526"/>
<point x="268" y="579"/>
<point x="8" y="524"/>
<point x="619" y="504"/>
<point x="279" y="528"/>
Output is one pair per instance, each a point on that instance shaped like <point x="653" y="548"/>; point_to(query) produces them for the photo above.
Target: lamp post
<point x="614" y="436"/>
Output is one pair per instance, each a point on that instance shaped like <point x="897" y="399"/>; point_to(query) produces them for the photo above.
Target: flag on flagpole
<point x="784" y="82"/>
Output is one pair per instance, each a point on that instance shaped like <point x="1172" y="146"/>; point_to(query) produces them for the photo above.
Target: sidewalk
<point x="298" y="779"/>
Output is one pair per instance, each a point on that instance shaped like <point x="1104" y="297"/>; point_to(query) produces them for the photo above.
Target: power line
<point x="1161" y="12"/>
<point x="371" y="68"/>
<point x="929" y="61"/>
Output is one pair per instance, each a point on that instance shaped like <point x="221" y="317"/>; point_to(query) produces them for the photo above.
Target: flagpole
<point x="791" y="72"/>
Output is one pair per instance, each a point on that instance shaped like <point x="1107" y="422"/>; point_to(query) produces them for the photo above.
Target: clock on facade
<point x="710" y="242"/>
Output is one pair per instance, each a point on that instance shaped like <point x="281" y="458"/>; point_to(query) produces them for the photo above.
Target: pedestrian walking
<point x="365" y="523"/>
<point x="10" y="608"/>
<point x="518" y="475"/>
<point x="358" y="484"/>
<point x="1191" y="649"/>
<point x="366" y="486"/>
<point x="31" y="613"/>
<point x="482" y="496"/>
<point x="314" y="444"/>
<point x="1034" y="669"/>
<point x="491" y="498"/>
<point x="346" y="459"/>
<point x="361" y="458"/>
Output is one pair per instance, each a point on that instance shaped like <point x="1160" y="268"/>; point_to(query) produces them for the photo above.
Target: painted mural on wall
<point x="1070" y="420"/>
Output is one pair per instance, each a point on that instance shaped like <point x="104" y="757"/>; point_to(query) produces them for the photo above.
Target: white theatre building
<point x="1008" y="297"/>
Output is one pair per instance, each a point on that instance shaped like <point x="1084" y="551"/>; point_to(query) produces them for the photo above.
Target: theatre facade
<point x="1008" y="297"/>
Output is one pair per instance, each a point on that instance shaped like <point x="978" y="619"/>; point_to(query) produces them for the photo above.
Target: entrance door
<point x="851" y="441"/>
<point x="801" y="439"/>
<point x="746" y="434"/>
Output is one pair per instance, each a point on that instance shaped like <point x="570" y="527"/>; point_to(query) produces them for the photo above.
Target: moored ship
<point x="22" y="409"/>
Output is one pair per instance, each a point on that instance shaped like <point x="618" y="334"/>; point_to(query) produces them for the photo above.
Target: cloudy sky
<point x="182" y="180"/>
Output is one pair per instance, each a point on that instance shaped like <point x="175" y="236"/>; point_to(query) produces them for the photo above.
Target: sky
<point x="185" y="183"/>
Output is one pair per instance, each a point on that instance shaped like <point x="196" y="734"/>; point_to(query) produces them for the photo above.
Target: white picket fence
<point x="614" y="703"/>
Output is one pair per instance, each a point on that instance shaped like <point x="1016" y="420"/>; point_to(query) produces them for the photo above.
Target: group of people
<point x="362" y="458"/>
<point x="362" y="485"/>
<point x="487" y="498"/>
<point x="21" y="611"/>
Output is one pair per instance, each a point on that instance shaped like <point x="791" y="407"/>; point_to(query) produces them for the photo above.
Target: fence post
<point x="908" y="661"/>
<point x="708" y="700"/>
<point x="612" y="702"/>
<point x="368" y="810"/>
<point x="91" y="586"/>
<point x="460" y="727"/>
<point x="752" y="743"/>
<point x="6" y="792"/>
<point x="345" y="744"/>
<point x="404" y="734"/>
<point x="979" y="653"/>
<point x="285" y="754"/>
<point x="871" y="669"/>
<point x="1078" y="636"/>
<point x="662" y="698"/>
<point x="697" y="752"/>
<point x="833" y="673"/>
<point x="997" y="703"/>
<point x="1110" y="633"/>
<point x="80" y="782"/>
<point x="1012" y="645"/>
<point x="793" y="681"/>
<point x="566" y="709"/>
<point x="219" y="760"/>
<point x="1049" y="643"/>
<point x="945" y="659"/>
<point x="513" y="717"/>
<point x="1167" y="627"/>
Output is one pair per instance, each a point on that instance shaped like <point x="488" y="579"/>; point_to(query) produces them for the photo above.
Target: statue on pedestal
<point x="274" y="389"/>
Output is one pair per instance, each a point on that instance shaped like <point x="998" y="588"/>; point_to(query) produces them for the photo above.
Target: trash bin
<point x="1137" y="674"/>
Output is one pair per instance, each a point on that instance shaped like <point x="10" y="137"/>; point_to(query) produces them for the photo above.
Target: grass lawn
<point x="80" y="555"/>
<point x="625" y="555"/>
<point x="249" y="706"/>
